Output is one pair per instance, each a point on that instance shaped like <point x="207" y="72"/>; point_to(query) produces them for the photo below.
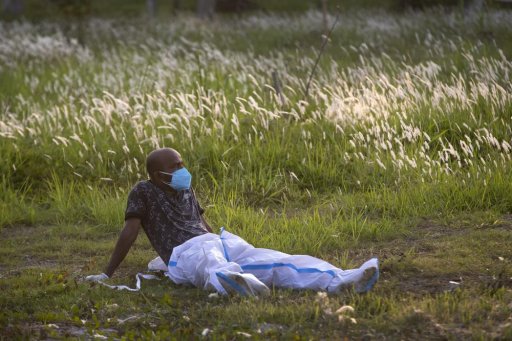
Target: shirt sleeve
<point x="136" y="205"/>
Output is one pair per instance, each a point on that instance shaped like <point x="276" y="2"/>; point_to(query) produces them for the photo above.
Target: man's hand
<point x="96" y="278"/>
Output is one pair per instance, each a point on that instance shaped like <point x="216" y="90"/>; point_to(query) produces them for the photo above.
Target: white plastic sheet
<point x="204" y="259"/>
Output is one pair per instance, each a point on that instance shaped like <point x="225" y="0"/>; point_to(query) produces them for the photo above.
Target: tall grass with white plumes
<point x="406" y="116"/>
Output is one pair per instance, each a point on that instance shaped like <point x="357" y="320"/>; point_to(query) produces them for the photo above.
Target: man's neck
<point x="168" y="190"/>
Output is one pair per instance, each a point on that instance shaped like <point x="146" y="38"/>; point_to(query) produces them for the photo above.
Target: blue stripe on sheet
<point x="238" y="288"/>
<point x="289" y="265"/>
<point x="223" y="245"/>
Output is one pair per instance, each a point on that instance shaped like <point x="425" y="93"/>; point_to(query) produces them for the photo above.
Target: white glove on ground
<point x="96" y="278"/>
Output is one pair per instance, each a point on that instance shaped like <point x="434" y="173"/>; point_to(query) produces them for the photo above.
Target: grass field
<point x="401" y="150"/>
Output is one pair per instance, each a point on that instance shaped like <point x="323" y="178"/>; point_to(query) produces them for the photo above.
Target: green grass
<point x="413" y="299"/>
<point x="401" y="151"/>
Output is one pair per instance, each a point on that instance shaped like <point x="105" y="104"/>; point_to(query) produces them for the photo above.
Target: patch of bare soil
<point x="9" y="232"/>
<point x="422" y="241"/>
<point x="25" y="238"/>
<point x="61" y="330"/>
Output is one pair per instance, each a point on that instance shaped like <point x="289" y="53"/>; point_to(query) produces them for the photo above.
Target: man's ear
<point x="153" y="175"/>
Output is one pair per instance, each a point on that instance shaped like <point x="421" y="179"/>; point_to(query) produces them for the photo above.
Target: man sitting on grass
<point x="167" y="209"/>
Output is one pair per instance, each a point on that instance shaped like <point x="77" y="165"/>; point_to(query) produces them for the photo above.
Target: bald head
<point x="163" y="159"/>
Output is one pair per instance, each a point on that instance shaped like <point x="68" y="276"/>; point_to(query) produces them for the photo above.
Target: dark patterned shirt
<point x="169" y="219"/>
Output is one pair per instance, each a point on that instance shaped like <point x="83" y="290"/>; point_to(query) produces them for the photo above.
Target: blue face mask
<point x="180" y="179"/>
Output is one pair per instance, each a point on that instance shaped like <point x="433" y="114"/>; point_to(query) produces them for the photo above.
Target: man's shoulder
<point x="143" y="186"/>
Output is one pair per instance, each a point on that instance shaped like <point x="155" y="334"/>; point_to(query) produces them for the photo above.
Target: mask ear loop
<point x="170" y="180"/>
<point x="170" y="174"/>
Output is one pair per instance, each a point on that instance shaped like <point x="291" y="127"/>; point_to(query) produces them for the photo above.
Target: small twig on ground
<point x="322" y="48"/>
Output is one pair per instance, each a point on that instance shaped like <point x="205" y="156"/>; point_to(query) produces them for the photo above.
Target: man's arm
<point x="125" y="241"/>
